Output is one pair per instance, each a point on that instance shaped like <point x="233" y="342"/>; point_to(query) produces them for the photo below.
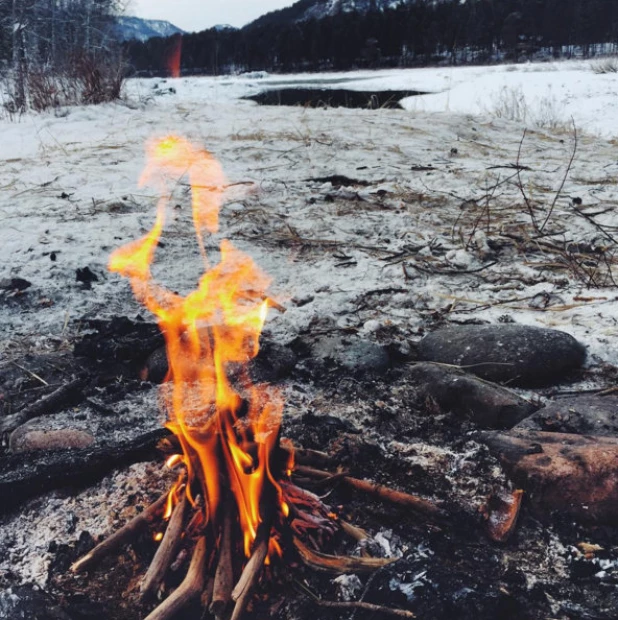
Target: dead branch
<point x="449" y="272"/>
<point x="338" y="563"/>
<point x="192" y="586"/>
<point x="354" y="531"/>
<point x="224" y="578"/>
<point x="371" y="607"/>
<point x="386" y="494"/>
<point x="520" y="184"/>
<point x="243" y="589"/>
<point x="50" y="403"/>
<point x="564" y="178"/>
<point x="166" y="551"/>
<point x="122" y="536"/>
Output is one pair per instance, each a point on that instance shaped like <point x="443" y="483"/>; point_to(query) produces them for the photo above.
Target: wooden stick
<point x="119" y="538"/>
<point x="191" y="587"/>
<point x="380" y="609"/>
<point x="49" y="403"/>
<point x="354" y="531"/>
<point x="166" y="551"/>
<point x="223" y="584"/>
<point x="423" y="506"/>
<point x="339" y="563"/>
<point x="248" y="578"/>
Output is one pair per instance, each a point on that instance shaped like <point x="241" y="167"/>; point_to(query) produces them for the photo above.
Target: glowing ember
<point x="227" y="429"/>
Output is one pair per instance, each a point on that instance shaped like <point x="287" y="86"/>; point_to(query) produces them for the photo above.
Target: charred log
<point x="25" y="475"/>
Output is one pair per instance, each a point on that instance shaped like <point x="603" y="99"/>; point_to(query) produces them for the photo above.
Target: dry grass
<point x="607" y="65"/>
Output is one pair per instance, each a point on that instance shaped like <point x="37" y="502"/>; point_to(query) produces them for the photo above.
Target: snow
<point x="70" y="188"/>
<point x="440" y="194"/>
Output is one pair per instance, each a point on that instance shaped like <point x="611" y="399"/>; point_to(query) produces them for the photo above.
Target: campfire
<point x="237" y="505"/>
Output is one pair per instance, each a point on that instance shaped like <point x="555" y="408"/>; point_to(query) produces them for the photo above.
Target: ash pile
<point x="494" y="424"/>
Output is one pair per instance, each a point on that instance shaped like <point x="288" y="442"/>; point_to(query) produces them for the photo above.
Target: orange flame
<point x="207" y="332"/>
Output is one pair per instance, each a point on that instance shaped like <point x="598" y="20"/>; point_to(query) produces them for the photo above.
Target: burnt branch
<point x="64" y="396"/>
<point x="124" y="535"/>
<point x="166" y="551"/>
<point x="386" y="494"/>
<point x="191" y="588"/>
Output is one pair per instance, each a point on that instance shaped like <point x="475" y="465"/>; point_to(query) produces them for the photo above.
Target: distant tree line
<point x="416" y="32"/>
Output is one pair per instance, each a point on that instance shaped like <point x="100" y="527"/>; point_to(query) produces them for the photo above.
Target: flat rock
<point x="572" y="474"/>
<point x="581" y="415"/>
<point x="25" y="439"/>
<point x="515" y="354"/>
<point x="486" y="404"/>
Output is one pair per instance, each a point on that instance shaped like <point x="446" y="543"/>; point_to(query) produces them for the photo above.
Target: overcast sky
<point x="194" y="15"/>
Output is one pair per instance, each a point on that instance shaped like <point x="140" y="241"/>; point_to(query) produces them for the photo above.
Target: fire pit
<point x="234" y="497"/>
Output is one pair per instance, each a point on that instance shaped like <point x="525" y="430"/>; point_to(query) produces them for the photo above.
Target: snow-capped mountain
<point x="317" y="9"/>
<point x="143" y="29"/>
<point x="324" y="8"/>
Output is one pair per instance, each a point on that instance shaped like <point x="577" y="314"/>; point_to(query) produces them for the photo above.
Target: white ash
<point x="348" y="587"/>
<point x="58" y="518"/>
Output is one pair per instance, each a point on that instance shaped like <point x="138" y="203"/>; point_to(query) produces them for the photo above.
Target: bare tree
<point x="60" y="51"/>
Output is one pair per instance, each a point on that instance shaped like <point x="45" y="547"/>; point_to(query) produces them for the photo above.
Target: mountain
<point x="304" y="10"/>
<point x="129" y="28"/>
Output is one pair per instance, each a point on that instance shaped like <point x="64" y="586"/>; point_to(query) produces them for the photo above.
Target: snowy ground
<point x="436" y="192"/>
<point x="431" y="227"/>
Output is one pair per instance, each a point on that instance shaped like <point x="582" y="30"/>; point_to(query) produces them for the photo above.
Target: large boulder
<point x="515" y="354"/>
<point x="582" y="415"/>
<point x="487" y="404"/>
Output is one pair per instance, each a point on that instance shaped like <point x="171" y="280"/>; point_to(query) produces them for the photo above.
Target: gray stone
<point x="357" y="356"/>
<point x="486" y="404"/>
<point x="25" y="439"/>
<point x="581" y="415"/>
<point x="515" y="354"/>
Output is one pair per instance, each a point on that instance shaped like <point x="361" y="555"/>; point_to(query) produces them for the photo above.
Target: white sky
<point x="195" y="15"/>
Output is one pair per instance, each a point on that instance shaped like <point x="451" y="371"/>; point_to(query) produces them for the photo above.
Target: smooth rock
<point x="581" y="415"/>
<point x="571" y="474"/>
<point x="506" y="353"/>
<point x="25" y="439"/>
<point x="486" y="404"/>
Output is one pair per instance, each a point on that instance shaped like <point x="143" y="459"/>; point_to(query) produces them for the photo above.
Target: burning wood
<point x="234" y="471"/>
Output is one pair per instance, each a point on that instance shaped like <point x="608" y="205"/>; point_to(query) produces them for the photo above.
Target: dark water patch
<point x="334" y="98"/>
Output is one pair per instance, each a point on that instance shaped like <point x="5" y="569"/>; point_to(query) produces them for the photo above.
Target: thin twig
<point x="520" y="184"/>
<point x="380" y="491"/>
<point x="119" y="538"/>
<point x="166" y="551"/>
<point x="32" y="374"/>
<point x="378" y="609"/>
<point x="564" y="178"/>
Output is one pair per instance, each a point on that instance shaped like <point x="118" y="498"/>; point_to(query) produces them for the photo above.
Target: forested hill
<point x="342" y="34"/>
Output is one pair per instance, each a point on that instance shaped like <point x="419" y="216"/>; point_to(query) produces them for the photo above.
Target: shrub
<point x="607" y="65"/>
<point x="86" y="79"/>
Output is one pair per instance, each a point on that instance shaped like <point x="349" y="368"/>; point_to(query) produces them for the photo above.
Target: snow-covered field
<point x="433" y="223"/>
